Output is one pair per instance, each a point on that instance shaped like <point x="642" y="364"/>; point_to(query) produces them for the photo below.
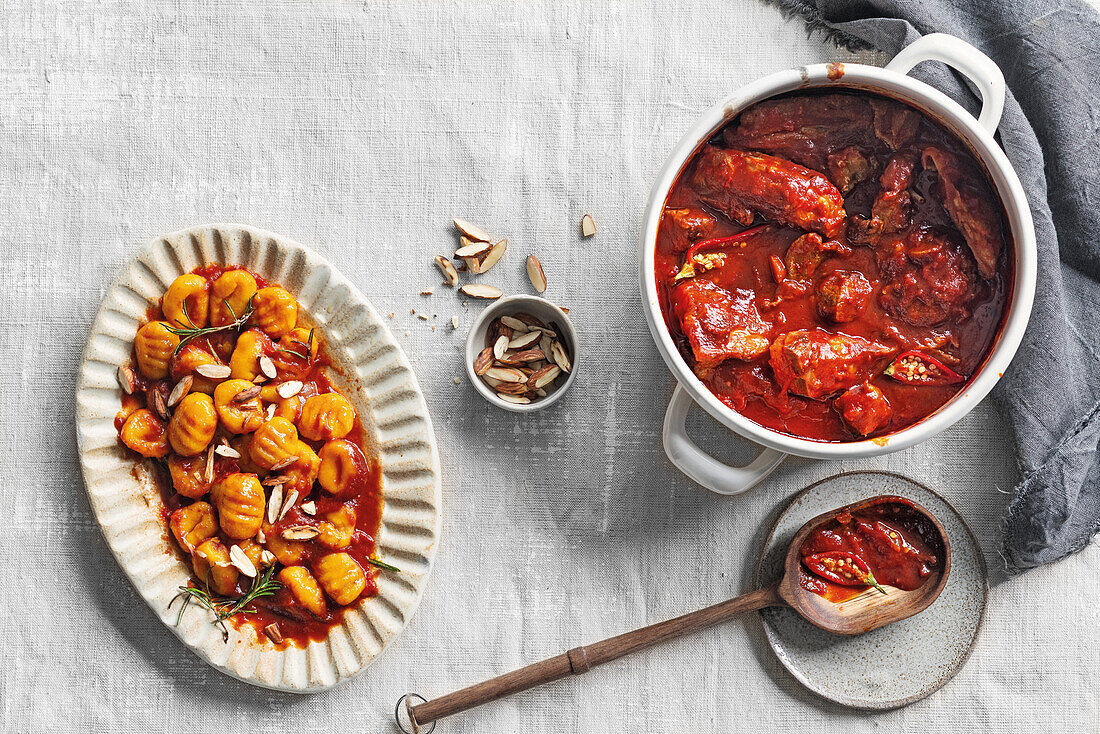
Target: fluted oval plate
<point x="377" y="378"/>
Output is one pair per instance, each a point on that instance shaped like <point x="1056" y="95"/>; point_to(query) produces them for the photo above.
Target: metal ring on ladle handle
<point x="409" y="726"/>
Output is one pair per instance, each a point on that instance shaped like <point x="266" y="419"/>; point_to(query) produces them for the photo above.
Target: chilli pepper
<point x="918" y="368"/>
<point x="840" y="567"/>
<point x="723" y="241"/>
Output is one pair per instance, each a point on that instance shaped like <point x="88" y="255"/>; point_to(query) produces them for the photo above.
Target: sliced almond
<point x="261" y="536"/>
<point x="270" y="412"/>
<point x="514" y="323"/>
<point x="290" y="389"/>
<point x="301" y="532"/>
<point x="227" y="451"/>
<point x="535" y="273"/>
<point x="493" y="383"/>
<point x="472" y="249"/>
<point x="517" y="399"/>
<point x="247" y="394"/>
<point x="267" y="367"/>
<point x="284" y="463"/>
<point x="541" y="392"/>
<point x="241" y="561"/>
<point x="588" y="225"/>
<point x="214" y="371"/>
<point x="500" y="346"/>
<point x="480" y="290"/>
<point x="159" y="404"/>
<point x="450" y="275"/>
<point x="545" y="376"/>
<point x="291" y="498"/>
<point x="273" y="633"/>
<point x="310" y="508"/>
<point x="511" y="388"/>
<point x="505" y="374"/>
<point x="454" y="322"/>
<point x="427" y="292"/>
<point x="127" y="380"/>
<point x="495" y="253"/>
<point x="208" y="472"/>
<point x="544" y="344"/>
<point x="561" y="358"/>
<point x="267" y="558"/>
<point x="274" y="502"/>
<point x="473" y="265"/>
<point x="524" y="340"/>
<point x="471" y="230"/>
<point x="484" y="361"/>
<point x="529" y="355"/>
<point x="180" y="390"/>
<point x="275" y="479"/>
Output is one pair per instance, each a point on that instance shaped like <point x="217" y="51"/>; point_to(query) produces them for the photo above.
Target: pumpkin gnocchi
<point x="263" y="459"/>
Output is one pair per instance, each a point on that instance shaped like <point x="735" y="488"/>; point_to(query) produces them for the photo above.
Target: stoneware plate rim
<point x="380" y="383"/>
<point x="870" y="704"/>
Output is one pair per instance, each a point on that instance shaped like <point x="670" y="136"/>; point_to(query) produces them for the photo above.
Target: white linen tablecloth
<point x="360" y="129"/>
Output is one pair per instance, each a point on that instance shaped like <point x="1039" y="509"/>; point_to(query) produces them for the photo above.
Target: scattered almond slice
<point x="267" y="558"/>
<point x="473" y="265"/>
<point x="517" y="399"/>
<point x="127" y="380"/>
<point x="535" y="273"/>
<point x="284" y="463"/>
<point x="241" y="561"/>
<point x="247" y="394"/>
<point x="588" y="225"/>
<point x="454" y="322"/>
<point x="208" y="472"/>
<point x="427" y="292"/>
<point x="484" y="361"/>
<point x="423" y="316"/>
<point x="513" y="323"/>
<point x="261" y="536"/>
<point x="290" y="389"/>
<point x="301" y="532"/>
<point x="471" y="230"/>
<point x="478" y="290"/>
<point x="310" y="508"/>
<point x="545" y="376"/>
<point x="160" y="405"/>
<point x="272" y="630"/>
<point x="500" y="346"/>
<point x="274" y="502"/>
<point x="495" y="253"/>
<point x="267" y="367"/>
<point x="214" y="371"/>
<point x="524" y="340"/>
<point x="227" y="451"/>
<point x="472" y="249"/>
<point x="274" y="479"/>
<point x="560" y="357"/>
<point x="506" y="374"/>
<point x="288" y="503"/>
<point x="270" y="412"/>
<point x="450" y="275"/>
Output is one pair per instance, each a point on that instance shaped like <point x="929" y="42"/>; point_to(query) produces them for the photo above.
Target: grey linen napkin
<point x="1049" y="51"/>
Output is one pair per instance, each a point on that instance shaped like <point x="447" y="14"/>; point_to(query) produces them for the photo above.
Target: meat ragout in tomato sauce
<point x="891" y="543"/>
<point x="833" y="266"/>
<point x="330" y="481"/>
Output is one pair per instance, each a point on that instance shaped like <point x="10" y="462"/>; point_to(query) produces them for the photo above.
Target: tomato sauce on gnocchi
<point x="263" y="462"/>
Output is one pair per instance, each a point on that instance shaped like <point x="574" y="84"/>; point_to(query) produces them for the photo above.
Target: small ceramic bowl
<point x="541" y="309"/>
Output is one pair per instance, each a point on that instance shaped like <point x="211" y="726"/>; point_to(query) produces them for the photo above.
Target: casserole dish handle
<point x="704" y="468"/>
<point x="982" y="72"/>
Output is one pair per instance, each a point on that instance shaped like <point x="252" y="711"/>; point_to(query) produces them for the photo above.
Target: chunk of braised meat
<point x="843" y="294"/>
<point x="929" y="278"/>
<point x="807" y="252"/>
<point x="719" y="324"/>
<point x="892" y="207"/>
<point x="864" y="408"/>
<point x="895" y="123"/>
<point x="848" y="167"/>
<point x="966" y="197"/>
<point x="687" y="226"/>
<point x="806" y="130"/>
<point x="818" y="363"/>
<point x="738" y="183"/>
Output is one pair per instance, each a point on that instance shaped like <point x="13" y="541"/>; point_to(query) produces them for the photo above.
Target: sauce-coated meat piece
<point x="719" y="324"/>
<point x="967" y="200"/>
<point x="843" y="294"/>
<point x="807" y="252"/>
<point x="895" y="123"/>
<point x="738" y="183"/>
<point x="892" y="207"/>
<point x="687" y="226"/>
<point x="848" y="167"/>
<point x="804" y="129"/>
<point x="864" y="408"/>
<point x="930" y="278"/>
<point x="818" y="363"/>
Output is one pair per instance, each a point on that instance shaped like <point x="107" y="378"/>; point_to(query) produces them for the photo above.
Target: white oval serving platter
<point x="377" y="379"/>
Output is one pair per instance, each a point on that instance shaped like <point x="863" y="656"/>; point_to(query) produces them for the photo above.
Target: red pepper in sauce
<point x="846" y="569"/>
<point x="918" y="368"/>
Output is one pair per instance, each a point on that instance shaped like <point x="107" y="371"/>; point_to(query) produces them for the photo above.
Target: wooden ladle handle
<point x="582" y="659"/>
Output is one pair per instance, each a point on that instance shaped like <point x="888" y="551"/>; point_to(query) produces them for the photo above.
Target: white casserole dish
<point x="890" y="81"/>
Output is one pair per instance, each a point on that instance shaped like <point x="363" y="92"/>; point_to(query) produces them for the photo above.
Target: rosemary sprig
<point x="187" y="333"/>
<point x="383" y="565"/>
<point x="225" y="607"/>
<point x="309" y="348"/>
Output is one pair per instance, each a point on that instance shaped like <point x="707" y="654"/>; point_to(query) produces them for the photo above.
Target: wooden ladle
<point x="863" y="613"/>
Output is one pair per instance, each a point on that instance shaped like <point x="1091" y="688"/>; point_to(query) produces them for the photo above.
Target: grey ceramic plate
<point x="902" y="662"/>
